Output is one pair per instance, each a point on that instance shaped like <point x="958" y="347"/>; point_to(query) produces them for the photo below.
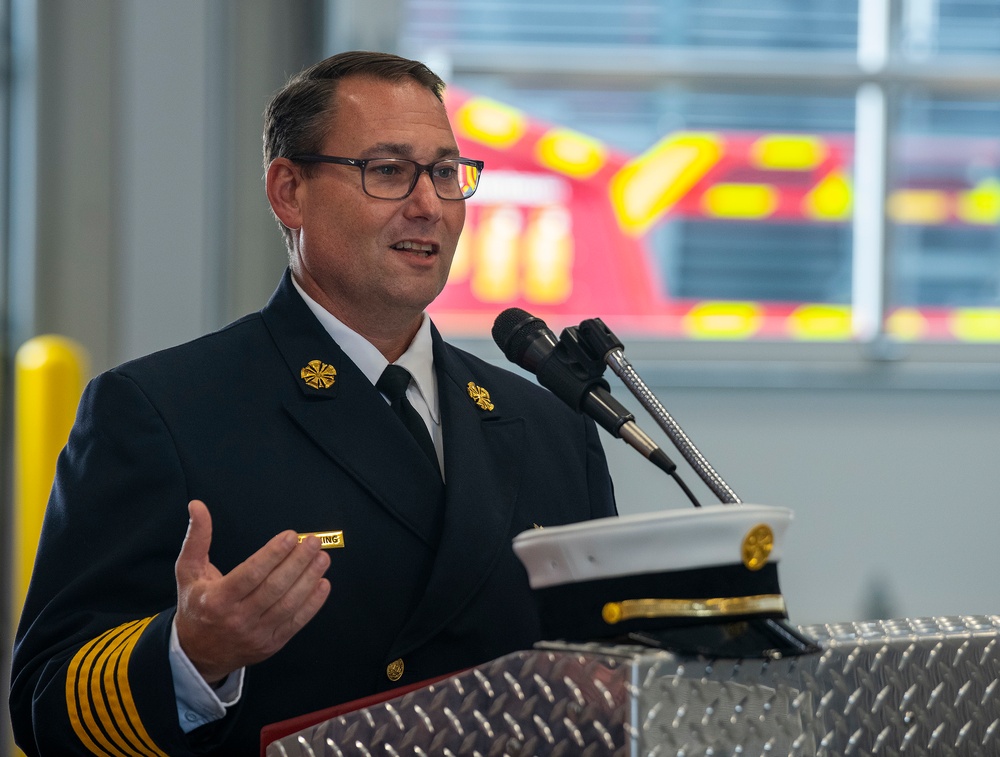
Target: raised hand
<point x="226" y="622"/>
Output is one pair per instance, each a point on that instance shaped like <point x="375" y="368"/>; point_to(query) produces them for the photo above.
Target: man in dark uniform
<point x="335" y="547"/>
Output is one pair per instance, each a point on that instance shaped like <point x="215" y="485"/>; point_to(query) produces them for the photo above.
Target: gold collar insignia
<point x="480" y="396"/>
<point x="319" y="375"/>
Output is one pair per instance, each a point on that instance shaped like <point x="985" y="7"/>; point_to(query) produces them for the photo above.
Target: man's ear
<point x="282" y="182"/>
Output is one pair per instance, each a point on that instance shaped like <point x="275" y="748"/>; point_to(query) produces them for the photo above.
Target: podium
<point x="925" y="686"/>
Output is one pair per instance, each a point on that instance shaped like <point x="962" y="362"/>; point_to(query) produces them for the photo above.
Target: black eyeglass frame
<point x="362" y="163"/>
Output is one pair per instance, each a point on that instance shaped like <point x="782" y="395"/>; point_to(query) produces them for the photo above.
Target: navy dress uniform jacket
<point x="229" y="419"/>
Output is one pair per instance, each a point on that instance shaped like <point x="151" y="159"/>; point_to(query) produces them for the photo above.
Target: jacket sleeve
<point x="90" y="671"/>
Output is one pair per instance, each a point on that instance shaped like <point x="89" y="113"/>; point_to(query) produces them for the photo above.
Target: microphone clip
<point x="597" y="340"/>
<point x="575" y="375"/>
<point x="576" y="371"/>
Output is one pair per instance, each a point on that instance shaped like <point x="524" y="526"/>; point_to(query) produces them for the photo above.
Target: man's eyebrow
<point x="402" y="150"/>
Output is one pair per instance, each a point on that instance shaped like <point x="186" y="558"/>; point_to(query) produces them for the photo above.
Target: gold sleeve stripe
<point x="92" y="693"/>
<point x="102" y="684"/>
<point x="77" y="699"/>
<point x="92" y="723"/>
<point x="131" y="713"/>
<point x="99" y="697"/>
<point x="110" y="662"/>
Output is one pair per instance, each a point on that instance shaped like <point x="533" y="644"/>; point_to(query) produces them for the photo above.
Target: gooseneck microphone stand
<point x="605" y="346"/>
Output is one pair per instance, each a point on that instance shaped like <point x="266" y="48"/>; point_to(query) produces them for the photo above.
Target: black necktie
<point x="392" y="383"/>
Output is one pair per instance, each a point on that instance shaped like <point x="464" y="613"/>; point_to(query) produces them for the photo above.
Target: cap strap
<point x="717" y="607"/>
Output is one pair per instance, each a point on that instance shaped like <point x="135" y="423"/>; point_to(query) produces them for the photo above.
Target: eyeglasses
<point x="395" y="178"/>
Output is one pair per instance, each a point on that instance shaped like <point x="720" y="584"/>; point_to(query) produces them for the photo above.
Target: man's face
<point x="364" y="258"/>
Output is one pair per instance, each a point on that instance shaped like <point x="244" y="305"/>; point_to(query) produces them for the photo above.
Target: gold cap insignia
<point x="319" y="375"/>
<point x="757" y="546"/>
<point x="480" y="396"/>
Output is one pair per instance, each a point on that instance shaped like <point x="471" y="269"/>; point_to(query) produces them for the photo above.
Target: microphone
<point x="564" y="368"/>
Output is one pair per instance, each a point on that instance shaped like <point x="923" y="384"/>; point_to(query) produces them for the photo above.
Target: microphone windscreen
<point x="513" y="331"/>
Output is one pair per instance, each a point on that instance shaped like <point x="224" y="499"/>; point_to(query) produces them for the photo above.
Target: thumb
<point x="193" y="558"/>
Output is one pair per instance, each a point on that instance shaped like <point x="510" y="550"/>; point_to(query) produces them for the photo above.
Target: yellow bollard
<point x="49" y="376"/>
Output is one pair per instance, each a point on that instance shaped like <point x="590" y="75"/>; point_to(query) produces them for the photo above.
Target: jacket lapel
<point x="483" y="464"/>
<point x="344" y="415"/>
<point x="353" y="425"/>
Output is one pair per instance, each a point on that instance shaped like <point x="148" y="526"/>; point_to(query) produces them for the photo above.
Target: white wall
<point x="151" y="222"/>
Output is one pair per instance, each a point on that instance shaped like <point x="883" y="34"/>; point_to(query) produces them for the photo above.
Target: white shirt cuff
<point x="197" y="702"/>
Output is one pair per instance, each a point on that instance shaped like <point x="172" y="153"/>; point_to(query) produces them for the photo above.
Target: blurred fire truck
<point x="568" y="228"/>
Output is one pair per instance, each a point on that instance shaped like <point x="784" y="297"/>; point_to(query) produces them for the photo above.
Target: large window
<point x="815" y="170"/>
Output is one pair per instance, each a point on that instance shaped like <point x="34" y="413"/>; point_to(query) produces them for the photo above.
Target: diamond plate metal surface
<point x="926" y="686"/>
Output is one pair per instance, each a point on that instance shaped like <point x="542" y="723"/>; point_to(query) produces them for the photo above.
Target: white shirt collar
<point x="418" y="358"/>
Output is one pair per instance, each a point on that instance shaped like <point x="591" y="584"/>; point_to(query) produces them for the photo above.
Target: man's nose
<point x="424" y="197"/>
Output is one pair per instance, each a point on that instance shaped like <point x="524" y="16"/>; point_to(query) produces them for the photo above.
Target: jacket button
<point x="394" y="670"/>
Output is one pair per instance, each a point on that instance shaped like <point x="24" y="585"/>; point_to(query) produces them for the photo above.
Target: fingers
<point x="280" y="593"/>
<point x="292" y="598"/>
<point x="263" y="577"/>
<point x="225" y="622"/>
<point x="288" y="597"/>
<point x="193" y="557"/>
<point x="304" y="613"/>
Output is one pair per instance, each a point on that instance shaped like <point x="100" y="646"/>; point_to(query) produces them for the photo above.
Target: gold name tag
<point x="327" y="539"/>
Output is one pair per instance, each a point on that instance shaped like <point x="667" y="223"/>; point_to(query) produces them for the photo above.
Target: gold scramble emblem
<point x="319" y="375"/>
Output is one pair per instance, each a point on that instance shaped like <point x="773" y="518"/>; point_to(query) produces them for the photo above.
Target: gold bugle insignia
<point x="319" y="375"/>
<point x="480" y="396"/>
<point x="717" y="607"/>
<point x="327" y="539"/>
<point x="757" y="546"/>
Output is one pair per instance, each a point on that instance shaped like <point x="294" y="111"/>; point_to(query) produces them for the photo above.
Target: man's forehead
<point x="362" y="92"/>
<point x="390" y="119"/>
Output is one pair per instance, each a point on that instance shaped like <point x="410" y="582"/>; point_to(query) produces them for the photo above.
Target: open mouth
<point x="422" y="249"/>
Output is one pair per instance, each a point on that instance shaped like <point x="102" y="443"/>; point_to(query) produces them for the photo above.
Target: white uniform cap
<point x="670" y="540"/>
